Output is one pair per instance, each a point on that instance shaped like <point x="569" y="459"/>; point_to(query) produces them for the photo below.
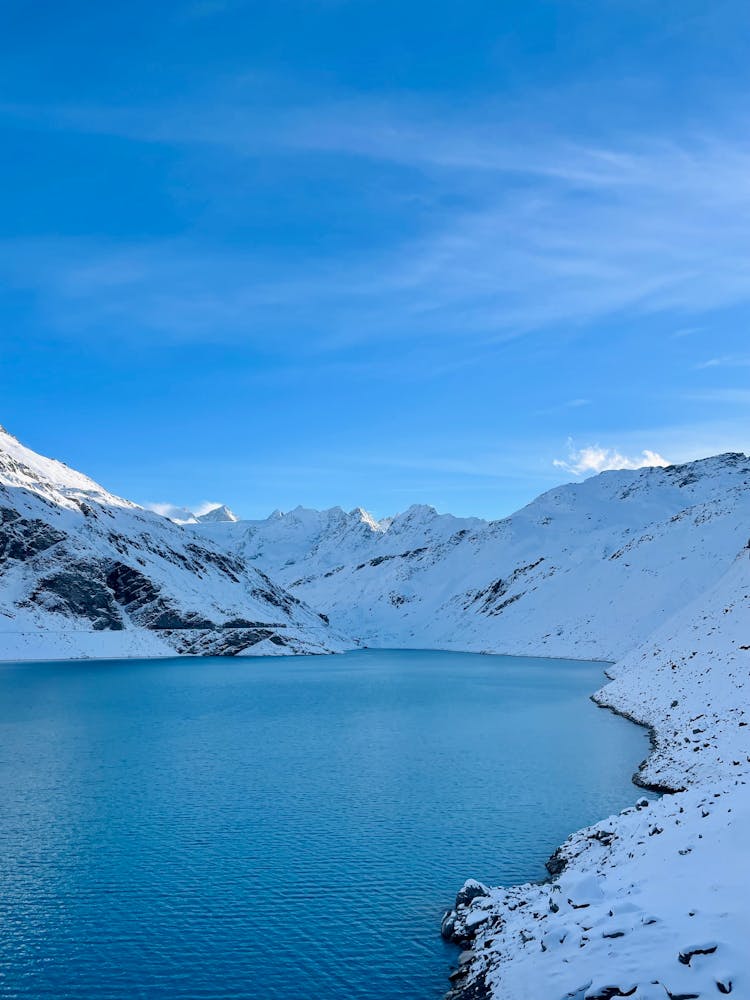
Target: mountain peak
<point x="218" y="513"/>
<point x="360" y="514"/>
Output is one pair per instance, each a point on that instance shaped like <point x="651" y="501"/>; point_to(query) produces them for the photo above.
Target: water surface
<point x="286" y="829"/>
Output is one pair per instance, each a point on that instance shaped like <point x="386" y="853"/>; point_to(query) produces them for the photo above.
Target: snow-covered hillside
<point x="588" y="569"/>
<point x="653" y="903"/>
<point x="86" y="573"/>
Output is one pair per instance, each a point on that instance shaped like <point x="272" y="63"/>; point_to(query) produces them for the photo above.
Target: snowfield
<point x="84" y="573"/>
<point x="649" y="568"/>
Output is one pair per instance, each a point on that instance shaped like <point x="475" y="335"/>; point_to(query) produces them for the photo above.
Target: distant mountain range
<point x="588" y="569"/>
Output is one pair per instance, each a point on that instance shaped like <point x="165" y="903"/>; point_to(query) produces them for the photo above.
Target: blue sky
<point x="377" y="253"/>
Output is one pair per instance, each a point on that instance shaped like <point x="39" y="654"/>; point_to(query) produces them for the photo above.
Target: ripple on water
<point x="282" y="829"/>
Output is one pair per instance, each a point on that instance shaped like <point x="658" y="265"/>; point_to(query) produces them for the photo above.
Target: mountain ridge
<point x="84" y="572"/>
<point x="587" y="569"/>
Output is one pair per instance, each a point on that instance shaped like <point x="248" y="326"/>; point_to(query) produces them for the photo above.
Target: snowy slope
<point x="588" y="569"/>
<point x="86" y="573"/>
<point x="655" y="902"/>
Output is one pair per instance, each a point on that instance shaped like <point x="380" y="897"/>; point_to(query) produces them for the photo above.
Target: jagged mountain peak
<point x="365" y="517"/>
<point x="218" y="513"/>
<point x="584" y="569"/>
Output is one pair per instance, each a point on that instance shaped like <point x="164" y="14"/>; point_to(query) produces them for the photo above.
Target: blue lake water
<point x="281" y="828"/>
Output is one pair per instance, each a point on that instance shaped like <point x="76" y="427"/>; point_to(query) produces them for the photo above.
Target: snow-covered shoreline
<point x="653" y="902"/>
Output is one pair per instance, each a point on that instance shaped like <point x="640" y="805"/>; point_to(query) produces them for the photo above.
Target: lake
<point x="291" y="827"/>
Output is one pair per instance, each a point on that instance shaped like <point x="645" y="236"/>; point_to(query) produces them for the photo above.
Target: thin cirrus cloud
<point x="524" y="234"/>
<point x="592" y="459"/>
<point x="726" y="361"/>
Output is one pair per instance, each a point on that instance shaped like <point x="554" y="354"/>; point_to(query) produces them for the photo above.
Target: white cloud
<point x="182" y="514"/>
<point x="205" y="507"/>
<point x="179" y="514"/>
<point x="593" y="458"/>
<point x="726" y="361"/>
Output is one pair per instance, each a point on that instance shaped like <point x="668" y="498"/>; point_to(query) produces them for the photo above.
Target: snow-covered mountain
<point x="651" y="903"/>
<point x="217" y="514"/>
<point x="86" y="573"/>
<point x="587" y="569"/>
<point x="306" y="541"/>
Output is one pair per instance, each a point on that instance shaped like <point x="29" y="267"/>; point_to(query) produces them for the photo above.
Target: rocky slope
<point x="588" y="569"/>
<point x="86" y="573"/>
<point x="655" y="902"/>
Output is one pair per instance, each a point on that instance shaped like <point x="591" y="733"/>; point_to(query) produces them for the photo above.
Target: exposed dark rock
<point x="143" y="601"/>
<point x="379" y="560"/>
<point x="227" y="565"/>
<point x="469" y="891"/>
<point x="448" y="925"/>
<point x="608" y="992"/>
<point x="224" y="642"/>
<point x="473" y="988"/>
<point x="79" y="591"/>
<point x="555" y="865"/>
<point x="490" y="599"/>
<point x="22" y="539"/>
<point x="685" y="957"/>
<point x="274" y="595"/>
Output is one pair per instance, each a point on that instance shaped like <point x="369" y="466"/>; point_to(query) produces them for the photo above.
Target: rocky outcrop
<point x="22" y="538"/>
<point x="79" y="592"/>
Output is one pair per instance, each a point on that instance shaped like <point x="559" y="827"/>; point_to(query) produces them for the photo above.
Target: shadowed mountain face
<point x="83" y="572"/>
<point x="588" y="569"/>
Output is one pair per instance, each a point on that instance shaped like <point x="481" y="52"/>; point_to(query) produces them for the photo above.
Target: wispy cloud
<point x="722" y="394"/>
<point x="593" y="459"/>
<point x="525" y="232"/>
<point x="176" y="512"/>
<point x="725" y="361"/>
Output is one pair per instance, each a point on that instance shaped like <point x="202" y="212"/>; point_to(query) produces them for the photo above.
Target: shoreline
<point x="637" y="777"/>
<point x="651" y="902"/>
